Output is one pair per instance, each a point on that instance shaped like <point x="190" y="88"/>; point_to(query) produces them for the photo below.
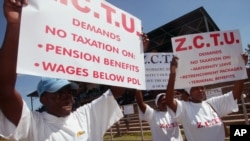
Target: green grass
<point x="124" y="137"/>
<point x="128" y="136"/>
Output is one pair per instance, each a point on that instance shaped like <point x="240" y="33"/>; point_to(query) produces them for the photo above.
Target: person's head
<point x="160" y="102"/>
<point x="197" y="94"/>
<point x="182" y="94"/>
<point x="56" y="95"/>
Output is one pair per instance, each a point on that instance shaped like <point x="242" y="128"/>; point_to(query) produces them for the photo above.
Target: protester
<point x="162" y="125"/>
<point x="201" y="118"/>
<point x="59" y="122"/>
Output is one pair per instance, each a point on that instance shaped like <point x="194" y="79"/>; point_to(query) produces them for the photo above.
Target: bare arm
<point x="145" y="41"/>
<point x="10" y="100"/>
<point x="170" y="101"/>
<point x="248" y="73"/>
<point x="139" y="100"/>
<point x="117" y="91"/>
<point x="138" y="95"/>
<point x="238" y="88"/>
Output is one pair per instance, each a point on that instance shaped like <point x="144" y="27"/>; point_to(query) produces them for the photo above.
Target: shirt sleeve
<point x="101" y="114"/>
<point x="179" y="114"/>
<point x="224" y="104"/>
<point x="19" y="132"/>
<point x="148" y="113"/>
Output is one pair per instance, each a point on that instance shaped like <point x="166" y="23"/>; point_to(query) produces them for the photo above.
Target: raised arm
<point x="248" y="73"/>
<point x="239" y="84"/>
<point x="117" y="91"/>
<point x="139" y="100"/>
<point x="10" y="100"/>
<point x="138" y="95"/>
<point x="170" y="101"/>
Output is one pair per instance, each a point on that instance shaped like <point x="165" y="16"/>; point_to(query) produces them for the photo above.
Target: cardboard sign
<point x="91" y="41"/>
<point x="157" y="70"/>
<point x="208" y="58"/>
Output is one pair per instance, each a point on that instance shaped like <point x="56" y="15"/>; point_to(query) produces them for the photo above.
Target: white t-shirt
<point x="201" y="122"/>
<point x="87" y="123"/>
<point x="162" y="125"/>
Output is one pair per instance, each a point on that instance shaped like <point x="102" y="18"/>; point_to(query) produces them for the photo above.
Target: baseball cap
<point x="158" y="97"/>
<point x="52" y="85"/>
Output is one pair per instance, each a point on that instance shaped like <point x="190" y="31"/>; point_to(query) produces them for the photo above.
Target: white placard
<point x="208" y="58"/>
<point x="157" y="70"/>
<point x="91" y="41"/>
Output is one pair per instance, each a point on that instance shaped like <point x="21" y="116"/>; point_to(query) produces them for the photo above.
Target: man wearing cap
<point x="58" y="123"/>
<point x="162" y="125"/>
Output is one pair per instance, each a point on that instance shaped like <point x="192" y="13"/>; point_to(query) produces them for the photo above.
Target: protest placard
<point x="208" y="58"/>
<point x="91" y="41"/>
<point x="157" y="70"/>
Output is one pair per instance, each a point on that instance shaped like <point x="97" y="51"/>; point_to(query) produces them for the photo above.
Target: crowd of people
<point x="200" y="117"/>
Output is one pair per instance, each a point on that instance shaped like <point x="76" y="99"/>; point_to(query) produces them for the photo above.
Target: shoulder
<point x="228" y="95"/>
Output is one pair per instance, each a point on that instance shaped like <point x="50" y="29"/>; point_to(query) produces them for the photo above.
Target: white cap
<point x="157" y="98"/>
<point x="188" y="90"/>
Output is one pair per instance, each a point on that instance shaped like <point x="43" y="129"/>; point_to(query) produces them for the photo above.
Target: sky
<point x="227" y="14"/>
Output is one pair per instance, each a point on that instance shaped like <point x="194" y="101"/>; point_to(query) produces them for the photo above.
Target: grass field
<point x="129" y="137"/>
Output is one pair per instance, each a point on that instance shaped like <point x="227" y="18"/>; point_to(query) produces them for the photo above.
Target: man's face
<point x="59" y="103"/>
<point x="162" y="103"/>
<point x="197" y="94"/>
